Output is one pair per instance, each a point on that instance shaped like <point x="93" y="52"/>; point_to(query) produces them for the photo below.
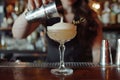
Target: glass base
<point x="65" y="71"/>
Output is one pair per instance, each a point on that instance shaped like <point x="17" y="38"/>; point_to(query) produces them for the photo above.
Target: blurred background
<point x="34" y="46"/>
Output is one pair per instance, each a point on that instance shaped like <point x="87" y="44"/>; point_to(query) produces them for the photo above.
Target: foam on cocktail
<point x="61" y="26"/>
<point x="62" y="32"/>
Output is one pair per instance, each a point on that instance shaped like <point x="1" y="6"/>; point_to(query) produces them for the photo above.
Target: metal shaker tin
<point x="117" y="61"/>
<point x="47" y="11"/>
<point x="105" y="55"/>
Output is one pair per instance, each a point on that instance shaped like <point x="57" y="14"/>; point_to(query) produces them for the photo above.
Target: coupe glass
<point x="62" y="32"/>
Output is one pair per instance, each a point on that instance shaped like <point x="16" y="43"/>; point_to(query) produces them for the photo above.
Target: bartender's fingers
<point x="38" y="3"/>
<point x="46" y="1"/>
<point x="30" y="5"/>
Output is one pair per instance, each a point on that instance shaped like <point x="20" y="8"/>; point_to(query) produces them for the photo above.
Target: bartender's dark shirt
<point x="77" y="49"/>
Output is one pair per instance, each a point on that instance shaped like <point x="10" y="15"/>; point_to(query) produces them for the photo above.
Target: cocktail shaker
<point x="105" y="55"/>
<point x="117" y="61"/>
<point x="46" y="11"/>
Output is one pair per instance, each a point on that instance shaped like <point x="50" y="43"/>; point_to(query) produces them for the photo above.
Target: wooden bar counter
<point x="41" y="71"/>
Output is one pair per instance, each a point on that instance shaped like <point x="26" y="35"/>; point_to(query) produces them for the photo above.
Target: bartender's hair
<point x="82" y="9"/>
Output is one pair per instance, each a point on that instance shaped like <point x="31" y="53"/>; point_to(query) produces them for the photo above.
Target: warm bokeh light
<point x="96" y="5"/>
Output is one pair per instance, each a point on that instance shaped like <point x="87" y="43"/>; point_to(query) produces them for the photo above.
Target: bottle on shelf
<point x="105" y="17"/>
<point x="118" y="14"/>
<point x="114" y="6"/>
<point x="4" y="24"/>
<point x="41" y="41"/>
<point x="3" y="44"/>
<point x="9" y="9"/>
<point x="1" y="11"/>
<point x="118" y="18"/>
<point x="19" y="6"/>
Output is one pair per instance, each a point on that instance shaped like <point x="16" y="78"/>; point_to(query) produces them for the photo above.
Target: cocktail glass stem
<point x="62" y="50"/>
<point x="62" y="70"/>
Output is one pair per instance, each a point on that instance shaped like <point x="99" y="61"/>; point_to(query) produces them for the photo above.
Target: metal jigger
<point x="105" y="55"/>
<point x="117" y="62"/>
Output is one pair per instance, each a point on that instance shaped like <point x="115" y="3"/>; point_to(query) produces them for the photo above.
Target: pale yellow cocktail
<point x="61" y="32"/>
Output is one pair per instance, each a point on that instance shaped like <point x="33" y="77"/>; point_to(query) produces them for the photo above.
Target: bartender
<point x="85" y="47"/>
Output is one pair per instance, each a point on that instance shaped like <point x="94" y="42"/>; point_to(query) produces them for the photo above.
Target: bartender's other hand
<point x="33" y="4"/>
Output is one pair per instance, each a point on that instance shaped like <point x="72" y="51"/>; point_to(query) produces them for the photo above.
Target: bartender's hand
<point x="33" y="4"/>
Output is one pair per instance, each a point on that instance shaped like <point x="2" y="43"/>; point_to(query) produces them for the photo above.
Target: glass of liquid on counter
<point x="62" y="32"/>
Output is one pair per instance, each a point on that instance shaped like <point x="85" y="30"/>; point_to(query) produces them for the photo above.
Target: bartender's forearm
<point x="22" y="28"/>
